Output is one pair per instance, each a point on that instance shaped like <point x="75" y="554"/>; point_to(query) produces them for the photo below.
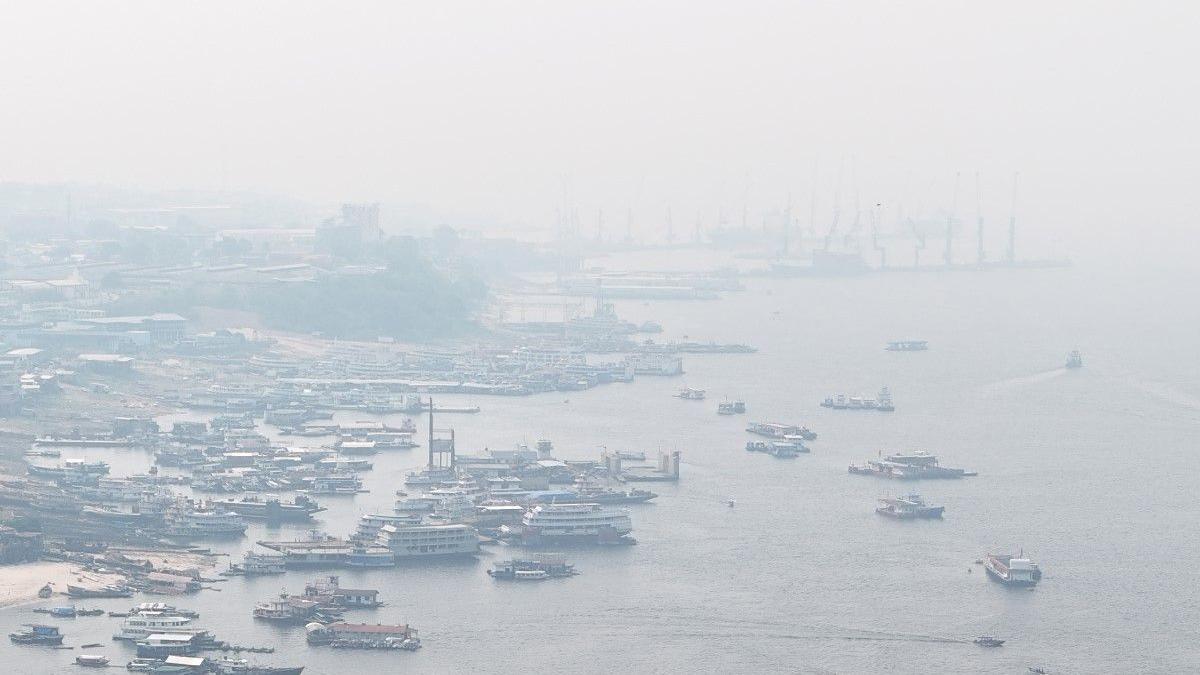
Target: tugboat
<point x="988" y="641"/>
<point x="1074" y="360"/>
<point x="38" y="634"/>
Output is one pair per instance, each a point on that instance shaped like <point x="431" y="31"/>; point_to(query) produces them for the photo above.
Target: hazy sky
<point x="496" y="108"/>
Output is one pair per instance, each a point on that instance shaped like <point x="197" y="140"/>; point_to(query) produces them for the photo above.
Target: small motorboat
<point x="91" y="661"/>
<point x="45" y="591"/>
<point x="730" y="503"/>
<point x="988" y="641"/>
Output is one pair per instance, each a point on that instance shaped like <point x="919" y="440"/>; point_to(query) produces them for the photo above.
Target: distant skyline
<point x="498" y="113"/>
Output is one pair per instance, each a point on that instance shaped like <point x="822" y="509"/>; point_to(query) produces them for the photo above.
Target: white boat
<point x="584" y="523"/>
<point x="200" y="524"/>
<point x="419" y="541"/>
<point x="144" y="624"/>
<point x="256" y="564"/>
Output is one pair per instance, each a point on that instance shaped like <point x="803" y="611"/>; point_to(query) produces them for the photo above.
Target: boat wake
<point x="1025" y="380"/>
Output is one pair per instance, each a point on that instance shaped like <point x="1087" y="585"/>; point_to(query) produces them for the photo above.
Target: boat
<point x="163" y="645"/>
<point x="573" y="523"/>
<point x="94" y="611"/>
<point x="45" y="591"/>
<point x="286" y="609"/>
<point x="91" y="661"/>
<point x="142" y="625"/>
<point x="545" y="567"/>
<point x="258" y="564"/>
<point x="845" y="402"/>
<point x="908" y="466"/>
<point x="1012" y="570"/>
<point x="1074" y="359"/>
<point x="143" y="665"/>
<point x="162" y="608"/>
<point x="690" y="394"/>
<point x="988" y="641"/>
<point x="739" y="407"/>
<point x="782" y="449"/>
<point x="225" y="666"/>
<point x="777" y="430"/>
<point x="907" y="346"/>
<point x="341" y="635"/>
<point x="38" y="634"/>
<point x="908" y="507"/>
<point x="725" y="408"/>
<point x="201" y="524"/>
<point x="106" y="591"/>
<point x="426" y="541"/>
<point x="300" y="510"/>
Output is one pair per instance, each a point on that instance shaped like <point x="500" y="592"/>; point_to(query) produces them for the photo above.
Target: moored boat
<point x="1012" y="570"/>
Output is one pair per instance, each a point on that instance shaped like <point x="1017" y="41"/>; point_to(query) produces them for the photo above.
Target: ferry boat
<point x="37" y="634"/>
<point x="1074" y="360"/>
<point x="200" y="524"/>
<point x="568" y="523"/>
<point x="907" y="346"/>
<point x="777" y="430"/>
<point x="144" y="624"/>
<point x="690" y="394"/>
<point x="908" y="507"/>
<point x="1012" y="570"/>
<point x="300" y="510"/>
<point x="545" y="567"/>
<point x="424" y="541"/>
<point x="725" y="409"/>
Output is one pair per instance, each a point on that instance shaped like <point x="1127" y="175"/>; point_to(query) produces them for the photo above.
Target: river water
<point x="1092" y="472"/>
